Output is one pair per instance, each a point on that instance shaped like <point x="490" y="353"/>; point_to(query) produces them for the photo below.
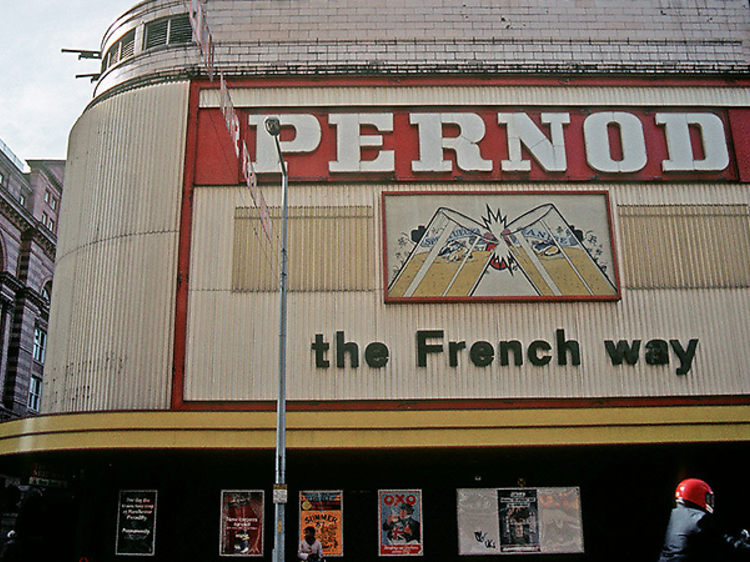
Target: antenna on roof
<point x="84" y="54"/>
<point x="93" y="77"/>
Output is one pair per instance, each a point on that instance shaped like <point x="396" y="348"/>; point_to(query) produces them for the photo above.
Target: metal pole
<point x="273" y="126"/>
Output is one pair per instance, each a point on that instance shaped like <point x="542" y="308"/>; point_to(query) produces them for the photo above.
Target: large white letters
<point x="306" y="139"/>
<point x="476" y="150"/>
<point x="523" y="131"/>
<point x="350" y="141"/>
<point x="712" y="138"/>
<point x="465" y="145"/>
<point x="598" y="150"/>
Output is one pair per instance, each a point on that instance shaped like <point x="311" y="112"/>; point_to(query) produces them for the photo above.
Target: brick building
<point x="517" y="280"/>
<point x="30" y="207"/>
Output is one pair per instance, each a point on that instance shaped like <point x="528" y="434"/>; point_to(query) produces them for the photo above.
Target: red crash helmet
<point x="697" y="493"/>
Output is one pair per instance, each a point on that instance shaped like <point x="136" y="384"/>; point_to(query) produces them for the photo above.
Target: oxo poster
<point x="400" y="522"/>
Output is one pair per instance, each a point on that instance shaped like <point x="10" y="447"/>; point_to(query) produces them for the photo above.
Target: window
<point x="35" y="393"/>
<point x="123" y="49"/>
<point x="40" y="345"/>
<point x="2" y="178"/>
<point x="48" y="222"/>
<point x="168" y="31"/>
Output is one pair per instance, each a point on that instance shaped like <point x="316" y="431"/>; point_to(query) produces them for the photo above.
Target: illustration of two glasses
<point x="456" y="252"/>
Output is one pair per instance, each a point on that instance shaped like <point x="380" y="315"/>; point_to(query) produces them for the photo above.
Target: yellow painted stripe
<point x="377" y="429"/>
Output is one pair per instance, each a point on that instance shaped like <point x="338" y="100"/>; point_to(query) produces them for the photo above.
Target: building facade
<point x="30" y="195"/>
<point x="517" y="289"/>
<point x="31" y="201"/>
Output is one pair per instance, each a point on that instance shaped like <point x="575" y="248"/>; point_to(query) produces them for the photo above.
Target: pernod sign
<point x="614" y="142"/>
<point x="486" y="144"/>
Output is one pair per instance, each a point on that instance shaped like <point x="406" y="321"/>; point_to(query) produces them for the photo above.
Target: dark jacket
<point x="692" y="536"/>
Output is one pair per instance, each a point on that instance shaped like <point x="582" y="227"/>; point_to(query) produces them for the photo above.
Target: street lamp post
<point x="273" y="127"/>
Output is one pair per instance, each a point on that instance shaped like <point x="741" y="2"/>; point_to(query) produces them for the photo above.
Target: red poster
<point x="241" y="523"/>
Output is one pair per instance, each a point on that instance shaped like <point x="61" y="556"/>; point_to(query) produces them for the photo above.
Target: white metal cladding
<point x="445" y="96"/>
<point x="232" y="347"/>
<point x="111" y="326"/>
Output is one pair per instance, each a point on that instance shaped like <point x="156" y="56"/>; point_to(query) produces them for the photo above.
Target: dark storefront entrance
<point x="625" y="494"/>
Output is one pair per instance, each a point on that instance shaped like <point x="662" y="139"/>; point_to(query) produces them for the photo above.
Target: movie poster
<point x="323" y="510"/>
<point x="136" y="523"/>
<point x="241" y="523"/>
<point x="519" y="520"/>
<point x="400" y="522"/>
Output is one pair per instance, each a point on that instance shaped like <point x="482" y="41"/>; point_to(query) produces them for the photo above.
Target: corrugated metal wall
<point x="112" y="320"/>
<point x="685" y="246"/>
<point x="233" y="345"/>
<point x="519" y="96"/>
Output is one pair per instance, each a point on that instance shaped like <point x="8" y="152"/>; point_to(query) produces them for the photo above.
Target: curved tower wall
<point x="116" y="261"/>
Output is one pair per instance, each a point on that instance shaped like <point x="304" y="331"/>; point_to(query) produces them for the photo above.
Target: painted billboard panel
<point x="469" y="143"/>
<point x="453" y="247"/>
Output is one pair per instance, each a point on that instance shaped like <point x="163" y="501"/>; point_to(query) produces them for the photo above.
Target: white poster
<point x="560" y="520"/>
<point x="478" y="521"/>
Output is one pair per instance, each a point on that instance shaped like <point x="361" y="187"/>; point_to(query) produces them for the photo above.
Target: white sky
<point x="40" y="98"/>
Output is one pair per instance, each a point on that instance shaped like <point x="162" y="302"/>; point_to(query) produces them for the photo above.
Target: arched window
<point x="47" y="291"/>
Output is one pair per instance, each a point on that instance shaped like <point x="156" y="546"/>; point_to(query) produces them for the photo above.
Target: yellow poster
<point x="323" y="511"/>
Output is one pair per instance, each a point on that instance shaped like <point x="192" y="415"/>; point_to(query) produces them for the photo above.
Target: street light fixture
<point x="273" y="127"/>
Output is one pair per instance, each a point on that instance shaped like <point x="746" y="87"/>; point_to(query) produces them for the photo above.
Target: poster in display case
<point x="324" y="511"/>
<point x="241" y="523"/>
<point x="400" y="523"/>
<point x="495" y="521"/>
<point x="136" y="523"/>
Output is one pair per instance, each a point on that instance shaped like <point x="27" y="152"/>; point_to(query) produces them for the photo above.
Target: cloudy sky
<point x="40" y="98"/>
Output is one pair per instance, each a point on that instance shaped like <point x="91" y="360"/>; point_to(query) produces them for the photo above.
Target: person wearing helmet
<point x="692" y="535"/>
